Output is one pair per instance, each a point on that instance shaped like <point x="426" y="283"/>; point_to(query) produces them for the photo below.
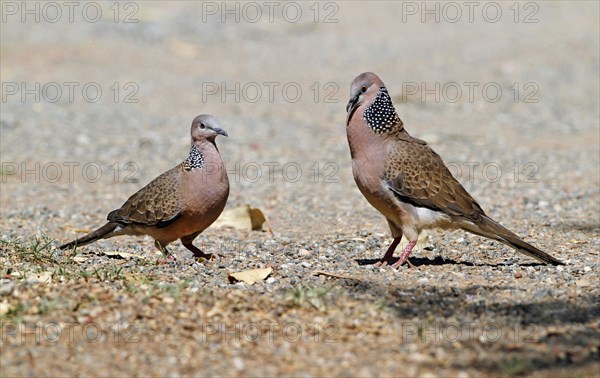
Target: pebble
<point x="518" y="274"/>
<point x="582" y="283"/>
<point x="541" y="293"/>
<point x="238" y="363"/>
<point x="5" y="307"/>
<point x="6" y="288"/>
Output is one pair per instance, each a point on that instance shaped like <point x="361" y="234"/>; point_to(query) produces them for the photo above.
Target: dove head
<point x="205" y="127"/>
<point x="368" y="93"/>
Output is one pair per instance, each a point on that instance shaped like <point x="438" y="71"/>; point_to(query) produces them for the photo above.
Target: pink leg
<point x="389" y="253"/>
<point x="405" y="254"/>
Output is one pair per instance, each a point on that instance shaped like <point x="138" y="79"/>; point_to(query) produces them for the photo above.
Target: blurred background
<point x="97" y="99"/>
<point x="108" y="84"/>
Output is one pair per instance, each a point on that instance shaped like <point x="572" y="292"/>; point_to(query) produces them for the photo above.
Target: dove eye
<point x="363" y="89"/>
<point x="202" y="126"/>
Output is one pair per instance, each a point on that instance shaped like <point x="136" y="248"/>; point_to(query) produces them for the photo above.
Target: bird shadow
<point x="417" y="261"/>
<point x="438" y="260"/>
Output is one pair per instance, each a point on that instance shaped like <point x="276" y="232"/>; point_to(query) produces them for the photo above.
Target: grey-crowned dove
<point x="408" y="182"/>
<point x="180" y="203"/>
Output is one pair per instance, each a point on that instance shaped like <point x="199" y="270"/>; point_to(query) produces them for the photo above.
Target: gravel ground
<point x="470" y="308"/>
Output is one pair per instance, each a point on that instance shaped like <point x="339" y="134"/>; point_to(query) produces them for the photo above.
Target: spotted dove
<point x="180" y="203"/>
<point x="408" y="182"/>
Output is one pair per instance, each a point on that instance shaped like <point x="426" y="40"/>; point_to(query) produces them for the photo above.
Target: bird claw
<point x="205" y="257"/>
<point x="382" y="263"/>
<point x="399" y="263"/>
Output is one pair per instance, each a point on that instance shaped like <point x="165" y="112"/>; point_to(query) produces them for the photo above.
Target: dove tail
<point x="491" y="229"/>
<point x="100" y="233"/>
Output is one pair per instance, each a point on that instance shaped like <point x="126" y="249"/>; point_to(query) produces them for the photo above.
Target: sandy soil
<point x="512" y="106"/>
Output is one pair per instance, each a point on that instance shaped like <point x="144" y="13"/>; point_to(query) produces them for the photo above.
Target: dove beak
<point x="351" y="107"/>
<point x="220" y="131"/>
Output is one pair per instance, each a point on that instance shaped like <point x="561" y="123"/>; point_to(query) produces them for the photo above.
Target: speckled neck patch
<point x="381" y="115"/>
<point x="195" y="160"/>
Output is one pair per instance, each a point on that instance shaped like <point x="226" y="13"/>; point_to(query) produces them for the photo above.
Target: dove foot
<point x="404" y="258"/>
<point x="205" y="256"/>
<point x="164" y="251"/>
<point x="388" y="257"/>
<point x="198" y="254"/>
<point x="382" y="263"/>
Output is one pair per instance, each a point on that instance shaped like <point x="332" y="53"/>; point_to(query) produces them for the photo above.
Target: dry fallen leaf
<point x="250" y="276"/>
<point x="243" y="218"/>
<point x="574" y="241"/>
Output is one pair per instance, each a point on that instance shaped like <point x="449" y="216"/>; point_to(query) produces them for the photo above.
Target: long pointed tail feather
<point x="494" y="230"/>
<point x="92" y="236"/>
